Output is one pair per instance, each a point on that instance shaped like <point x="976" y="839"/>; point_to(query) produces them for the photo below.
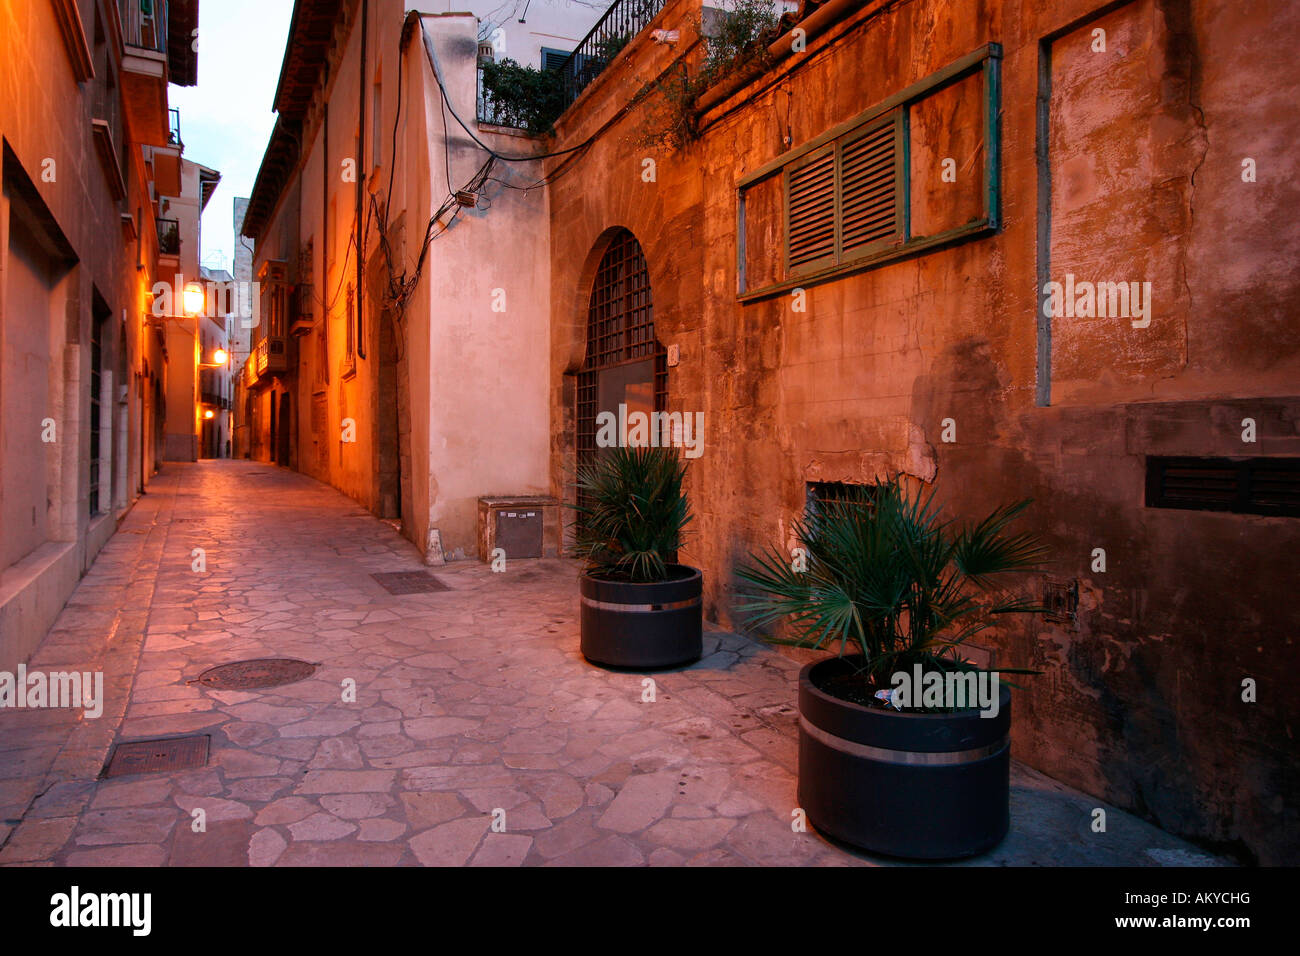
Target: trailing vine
<point x="741" y="38"/>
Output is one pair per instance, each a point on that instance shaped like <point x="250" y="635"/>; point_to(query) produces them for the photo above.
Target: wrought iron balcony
<point x="270" y="356"/>
<point x="534" y="106"/>
<point x="621" y="22"/>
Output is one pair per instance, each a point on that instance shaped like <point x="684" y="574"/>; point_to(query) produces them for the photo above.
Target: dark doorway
<point x="282" y="433"/>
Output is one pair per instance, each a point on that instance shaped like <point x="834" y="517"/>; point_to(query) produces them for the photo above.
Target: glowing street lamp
<point x="194" y="299"/>
<point x="209" y="413"/>
<point x="219" y="358"/>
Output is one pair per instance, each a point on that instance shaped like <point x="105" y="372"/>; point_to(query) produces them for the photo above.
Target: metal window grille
<point x="620" y="329"/>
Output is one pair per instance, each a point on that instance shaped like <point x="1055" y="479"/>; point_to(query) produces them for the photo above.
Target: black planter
<point x="923" y="786"/>
<point x="643" y="625"/>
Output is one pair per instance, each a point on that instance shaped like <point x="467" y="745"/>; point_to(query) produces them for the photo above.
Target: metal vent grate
<point x="1262" y="486"/>
<point x="158" y="756"/>
<point x="252" y="674"/>
<point x="409" y="582"/>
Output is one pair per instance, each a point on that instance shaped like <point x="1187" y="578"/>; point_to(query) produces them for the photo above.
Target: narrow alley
<point x="478" y="733"/>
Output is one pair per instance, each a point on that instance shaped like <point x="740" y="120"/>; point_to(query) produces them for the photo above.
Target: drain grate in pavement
<point x="250" y="675"/>
<point x="157" y="756"/>
<point x="409" y="582"/>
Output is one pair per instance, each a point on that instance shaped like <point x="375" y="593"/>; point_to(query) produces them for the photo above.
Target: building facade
<point x="1031" y="251"/>
<point x="216" y="368"/>
<point x="89" y="147"/>
<point x="195" y="323"/>
<point x="355" y="347"/>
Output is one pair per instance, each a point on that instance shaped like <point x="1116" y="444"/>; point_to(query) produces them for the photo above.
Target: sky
<point x="227" y="119"/>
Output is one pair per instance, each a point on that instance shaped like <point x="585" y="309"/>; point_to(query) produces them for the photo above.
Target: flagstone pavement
<point x="473" y="705"/>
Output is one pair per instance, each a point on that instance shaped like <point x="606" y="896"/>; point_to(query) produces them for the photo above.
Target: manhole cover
<point x="409" y="582"/>
<point x="248" y="675"/>
<point x="157" y="756"/>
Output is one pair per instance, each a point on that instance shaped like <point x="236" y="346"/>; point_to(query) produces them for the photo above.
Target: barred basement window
<point x="1260" y="486"/>
<point x="819" y="493"/>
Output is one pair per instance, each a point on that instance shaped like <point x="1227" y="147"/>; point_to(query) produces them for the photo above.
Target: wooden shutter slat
<point x="867" y="189"/>
<point x="810" y="231"/>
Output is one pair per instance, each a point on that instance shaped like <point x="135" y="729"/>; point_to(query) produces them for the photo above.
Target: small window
<point x="553" y="59"/>
<point x="1259" y="486"/>
<point x="818" y="494"/>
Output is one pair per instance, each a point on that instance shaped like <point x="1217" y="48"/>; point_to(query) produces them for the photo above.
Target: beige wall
<point x="462" y="400"/>
<point x="486" y="429"/>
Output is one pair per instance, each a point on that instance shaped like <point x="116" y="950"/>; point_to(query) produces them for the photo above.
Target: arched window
<point x="624" y="364"/>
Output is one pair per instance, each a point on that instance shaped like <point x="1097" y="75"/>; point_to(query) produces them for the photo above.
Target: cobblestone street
<point x="469" y="701"/>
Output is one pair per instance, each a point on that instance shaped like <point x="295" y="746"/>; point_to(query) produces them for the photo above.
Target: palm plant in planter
<point x="890" y="581"/>
<point x="640" y="608"/>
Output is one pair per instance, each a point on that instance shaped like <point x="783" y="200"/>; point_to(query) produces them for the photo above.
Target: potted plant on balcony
<point x="915" y="774"/>
<point x="640" y="608"/>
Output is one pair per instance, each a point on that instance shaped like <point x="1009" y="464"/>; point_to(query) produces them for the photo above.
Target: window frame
<point x="987" y="61"/>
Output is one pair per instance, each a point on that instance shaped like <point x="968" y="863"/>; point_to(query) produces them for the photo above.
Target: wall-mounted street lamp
<point x="194" y="299"/>
<point x="209" y="413"/>
<point x="219" y="359"/>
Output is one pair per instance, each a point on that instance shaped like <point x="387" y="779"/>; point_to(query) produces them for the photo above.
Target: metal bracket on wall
<point x="1061" y="599"/>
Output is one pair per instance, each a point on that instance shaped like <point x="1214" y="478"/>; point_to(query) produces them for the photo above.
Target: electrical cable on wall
<point x="401" y="285"/>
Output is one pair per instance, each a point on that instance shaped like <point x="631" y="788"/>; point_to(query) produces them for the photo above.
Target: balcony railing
<point x="621" y="22"/>
<point x="270" y="356"/>
<point x="498" y="114"/>
<point x="169" y="236"/>
<point x="144" y="24"/>
<point x="174" y="128"/>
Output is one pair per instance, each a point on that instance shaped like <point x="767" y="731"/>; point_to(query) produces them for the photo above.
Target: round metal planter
<point x="920" y="786"/>
<point x="643" y="625"/>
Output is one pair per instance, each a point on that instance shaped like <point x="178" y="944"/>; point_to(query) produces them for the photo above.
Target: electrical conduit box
<point x="523" y="526"/>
